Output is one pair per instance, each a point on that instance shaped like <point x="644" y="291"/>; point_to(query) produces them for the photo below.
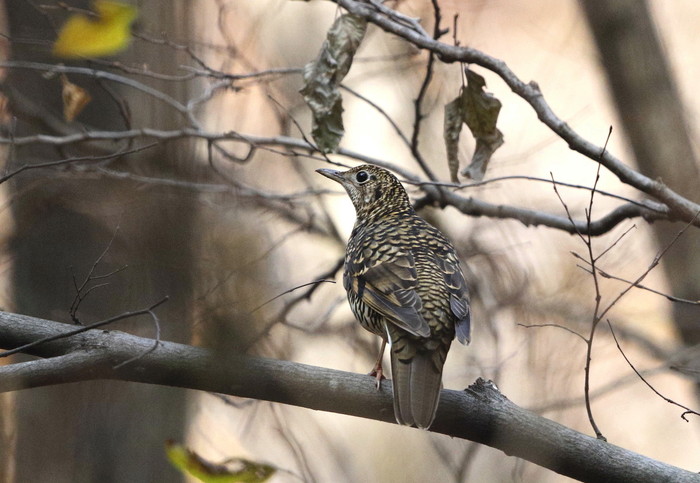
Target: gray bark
<point x="480" y="413"/>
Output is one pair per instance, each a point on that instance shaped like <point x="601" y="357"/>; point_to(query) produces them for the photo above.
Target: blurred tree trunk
<point x="101" y="431"/>
<point x="652" y="115"/>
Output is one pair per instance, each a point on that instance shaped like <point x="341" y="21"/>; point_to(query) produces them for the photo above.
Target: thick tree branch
<point x="479" y="413"/>
<point x="475" y="207"/>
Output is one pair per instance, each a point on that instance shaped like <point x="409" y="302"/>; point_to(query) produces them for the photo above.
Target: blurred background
<point x="227" y="230"/>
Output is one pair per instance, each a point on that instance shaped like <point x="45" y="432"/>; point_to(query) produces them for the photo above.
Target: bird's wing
<point x="459" y="298"/>
<point x="389" y="287"/>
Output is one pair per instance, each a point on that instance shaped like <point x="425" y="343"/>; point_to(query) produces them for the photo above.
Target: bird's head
<point x="374" y="191"/>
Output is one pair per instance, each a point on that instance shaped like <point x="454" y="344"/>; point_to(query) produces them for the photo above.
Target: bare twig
<point x="614" y="244"/>
<point x="599" y="312"/>
<point x="306" y="295"/>
<point x="381" y="111"/>
<point x="73" y="160"/>
<point x="80" y="330"/>
<point x="654" y="263"/>
<point x="418" y="115"/>
<point x="156" y="342"/>
<point x="297" y="449"/>
<point x="310" y="145"/>
<point x="652" y="206"/>
<point x="608" y="388"/>
<point x="558" y="326"/>
<point x="596" y="318"/>
<point x="668" y="400"/>
<point x="83" y="290"/>
<point x="672" y="298"/>
<point x="410" y="22"/>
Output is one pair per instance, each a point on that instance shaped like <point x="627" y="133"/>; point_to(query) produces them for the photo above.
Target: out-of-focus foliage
<point x="232" y="470"/>
<point x="106" y="34"/>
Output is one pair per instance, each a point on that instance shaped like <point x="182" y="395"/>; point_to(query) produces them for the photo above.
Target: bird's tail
<point x="417" y="383"/>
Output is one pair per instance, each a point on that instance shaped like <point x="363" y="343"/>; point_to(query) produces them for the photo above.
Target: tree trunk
<point x="653" y="118"/>
<point x="98" y="431"/>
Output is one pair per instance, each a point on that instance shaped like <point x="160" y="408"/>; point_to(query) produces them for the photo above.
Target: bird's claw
<point x="378" y="374"/>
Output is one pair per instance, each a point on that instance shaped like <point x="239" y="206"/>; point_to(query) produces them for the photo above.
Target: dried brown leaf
<point x="323" y="76"/>
<point x="479" y="111"/>
<point x="75" y="98"/>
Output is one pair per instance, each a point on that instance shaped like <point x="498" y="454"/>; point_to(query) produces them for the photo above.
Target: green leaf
<point x="479" y="111"/>
<point x="323" y="76"/>
<point x="234" y="469"/>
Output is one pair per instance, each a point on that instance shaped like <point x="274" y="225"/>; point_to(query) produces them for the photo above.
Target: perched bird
<point x="404" y="284"/>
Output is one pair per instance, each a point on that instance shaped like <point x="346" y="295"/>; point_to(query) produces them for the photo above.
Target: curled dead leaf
<point x="75" y="98"/>
<point x="479" y="110"/>
<point x="323" y="76"/>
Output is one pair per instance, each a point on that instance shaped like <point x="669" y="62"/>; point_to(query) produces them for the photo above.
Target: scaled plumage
<point x="404" y="284"/>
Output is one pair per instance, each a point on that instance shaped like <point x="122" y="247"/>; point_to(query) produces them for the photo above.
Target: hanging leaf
<point x="454" y="119"/>
<point x="234" y="470"/>
<point x="107" y="33"/>
<point x="479" y="111"/>
<point x="323" y="76"/>
<point x="75" y="98"/>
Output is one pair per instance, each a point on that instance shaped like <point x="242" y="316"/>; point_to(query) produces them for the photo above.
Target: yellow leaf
<point x="106" y="34"/>
<point x="75" y="98"/>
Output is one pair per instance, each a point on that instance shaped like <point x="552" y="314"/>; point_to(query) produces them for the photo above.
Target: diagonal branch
<point x="681" y="207"/>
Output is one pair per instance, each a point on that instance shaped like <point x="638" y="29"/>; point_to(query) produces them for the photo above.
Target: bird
<point x="404" y="283"/>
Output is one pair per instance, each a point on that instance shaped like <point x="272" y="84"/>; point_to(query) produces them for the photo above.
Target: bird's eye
<point x="362" y="176"/>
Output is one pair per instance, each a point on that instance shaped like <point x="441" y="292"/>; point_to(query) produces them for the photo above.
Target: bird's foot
<point x="378" y="373"/>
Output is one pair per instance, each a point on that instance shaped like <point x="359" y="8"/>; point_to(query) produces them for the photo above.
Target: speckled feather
<point x="404" y="284"/>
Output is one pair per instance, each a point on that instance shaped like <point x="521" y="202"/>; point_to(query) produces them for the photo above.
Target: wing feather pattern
<point x="389" y="287"/>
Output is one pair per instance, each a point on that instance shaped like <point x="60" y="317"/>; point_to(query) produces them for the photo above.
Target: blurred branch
<point x="74" y="160"/>
<point x="480" y="413"/>
<point x="467" y="205"/>
<point x="185" y="111"/>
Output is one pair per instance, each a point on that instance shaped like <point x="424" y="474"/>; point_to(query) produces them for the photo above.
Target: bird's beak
<point x="336" y="176"/>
